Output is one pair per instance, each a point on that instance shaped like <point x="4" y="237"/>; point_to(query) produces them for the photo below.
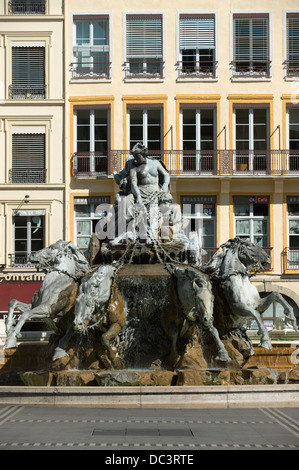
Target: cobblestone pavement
<point x="55" y="428"/>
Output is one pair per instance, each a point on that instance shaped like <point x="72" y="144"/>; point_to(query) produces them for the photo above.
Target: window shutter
<point x="293" y="37"/>
<point x="144" y="36"/>
<point x="251" y="39"/>
<point x="197" y="32"/>
<point x="28" y="157"/>
<point x="28" y="69"/>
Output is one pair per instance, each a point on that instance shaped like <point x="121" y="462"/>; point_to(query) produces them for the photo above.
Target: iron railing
<point x="90" y="70"/>
<point x="200" y="163"/>
<point x="290" y="259"/>
<point x="192" y="69"/>
<point x="27" y="92"/>
<point x="20" y="259"/>
<point x="254" y="68"/>
<point x="144" y="69"/>
<point x="292" y="68"/>
<point x="27" y="176"/>
<point x="27" y="7"/>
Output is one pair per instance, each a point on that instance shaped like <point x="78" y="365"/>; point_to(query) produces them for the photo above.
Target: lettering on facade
<point x="8" y="277"/>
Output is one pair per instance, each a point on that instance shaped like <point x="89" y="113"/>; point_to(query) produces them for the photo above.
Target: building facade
<point x="214" y="92"/>
<point x="32" y="175"/>
<point x="211" y="90"/>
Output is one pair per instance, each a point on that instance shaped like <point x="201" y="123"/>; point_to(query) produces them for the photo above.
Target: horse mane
<point x="226" y="261"/>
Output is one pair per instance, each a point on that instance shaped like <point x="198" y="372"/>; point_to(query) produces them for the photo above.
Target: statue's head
<point x="139" y="152"/>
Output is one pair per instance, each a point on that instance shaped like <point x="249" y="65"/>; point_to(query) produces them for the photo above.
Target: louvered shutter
<point x="28" y="71"/>
<point x="144" y="36"/>
<point x="251" y="39"/>
<point x="293" y="38"/>
<point x="197" y="32"/>
<point x="28" y="158"/>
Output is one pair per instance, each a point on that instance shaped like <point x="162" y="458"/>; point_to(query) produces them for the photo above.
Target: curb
<point x="247" y="396"/>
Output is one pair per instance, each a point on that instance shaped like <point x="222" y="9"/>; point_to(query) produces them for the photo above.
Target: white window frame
<point x="145" y="110"/>
<point x="144" y="13"/>
<point x="252" y="218"/>
<point x="235" y="77"/>
<point x="199" y="215"/>
<point x="285" y="43"/>
<point x="92" y="17"/>
<point x="250" y="108"/>
<point x="178" y="49"/>
<point x="92" y="215"/>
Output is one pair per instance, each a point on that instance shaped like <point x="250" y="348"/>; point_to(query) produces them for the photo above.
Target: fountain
<point x="140" y="307"/>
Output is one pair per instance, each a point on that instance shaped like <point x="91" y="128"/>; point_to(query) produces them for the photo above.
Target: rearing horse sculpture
<point x="230" y="270"/>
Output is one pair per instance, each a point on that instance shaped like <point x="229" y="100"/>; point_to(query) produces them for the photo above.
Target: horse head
<point x="61" y="256"/>
<point x="196" y="296"/>
<point x="253" y="256"/>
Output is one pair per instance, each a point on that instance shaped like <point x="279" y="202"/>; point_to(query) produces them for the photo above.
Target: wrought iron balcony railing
<point x="27" y="7"/>
<point x="192" y="69"/>
<point x="20" y="259"/>
<point x="290" y="259"/>
<point x="24" y="92"/>
<point x="292" y="68"/>
<point x="198" y="163"/>
<point x="144" y="69"/>
<point x="90" y="70"/>
<point x="252" y="69"/>
<point x="27" y="176"/>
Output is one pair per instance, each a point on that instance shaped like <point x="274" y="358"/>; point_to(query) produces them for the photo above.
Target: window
<point x="252" y="138"/>
<point x="27" y="7"/>
<point x="292" y="62"/>
<point x="198" y="139"/>
<point x="91" y="48"/>
<point x="201" y="213"/>
<point x="251" y="56"/>
<point x="293" y="134"/>
<point x="28" y="72"/>
<point x="146" y="126"/>
<point x="92" y="141"/>
<point x="251" y="219"/>
<point x="28" y="158"/>
<point x="28" y="229"/>
<point x="144" y="46"/>
<point x="87" y="215"/>
<point x="197" y="46"/>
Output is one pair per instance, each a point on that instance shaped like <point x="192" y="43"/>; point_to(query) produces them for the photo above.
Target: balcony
<point x="197" y="163"/>
<point x="21" y="260"/>
<point x="90" y="70"/>
<point x="200" y="70"/>
<point x="144" y="69"/>
<point x="27" y="7"/>
<point x="27" y="176"/>
<point x="25" y="92"/>
<point x="251" y="69"/>
<point x="292" y="68"/>
<point x="290" y="258"/>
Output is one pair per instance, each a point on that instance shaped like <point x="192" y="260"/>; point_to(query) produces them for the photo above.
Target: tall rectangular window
<point x="197" y="46"/>
<point x="252" y="139"/>
<point x="144" y="46"/>
<point x="146" y="126"/>
<point x="91" y="48"/>
<point x="92" y="141"/>
<point x="198" y="138"/>
<point x="252" y="218"/>
<point x="29" y="235"/>
<point x="28" y="158"/>
<point x="293" y="232"/>
<point x="87" y="215"/>
<point x="28" y="73"/>
<point x="251" y="52"/>
<point x="200" y="211"/>
<point x="292" y="62"/>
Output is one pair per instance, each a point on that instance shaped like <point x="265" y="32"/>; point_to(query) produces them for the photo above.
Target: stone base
<point x="183" y="377"/>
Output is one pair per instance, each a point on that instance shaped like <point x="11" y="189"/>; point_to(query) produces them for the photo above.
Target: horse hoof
<point x="59" y="353"/>
<point x="223" y="358"/>
<point x="265" y="345"/>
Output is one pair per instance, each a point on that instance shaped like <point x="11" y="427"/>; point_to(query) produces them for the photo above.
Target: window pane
<point x="82" y="210"/>
<point x="100" y="33"/>
<point x="82" y="33"/>
<point x="83" y="228"/>
<point x="241" y="209"/>
<point x="293" y="209"/>
<point x="294" y="227"/>
<point x="260" y="209"/>
<point x="242" y="227"/>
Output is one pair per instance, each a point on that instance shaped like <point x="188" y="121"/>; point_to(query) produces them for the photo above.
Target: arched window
<point x="274" y="317"/>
